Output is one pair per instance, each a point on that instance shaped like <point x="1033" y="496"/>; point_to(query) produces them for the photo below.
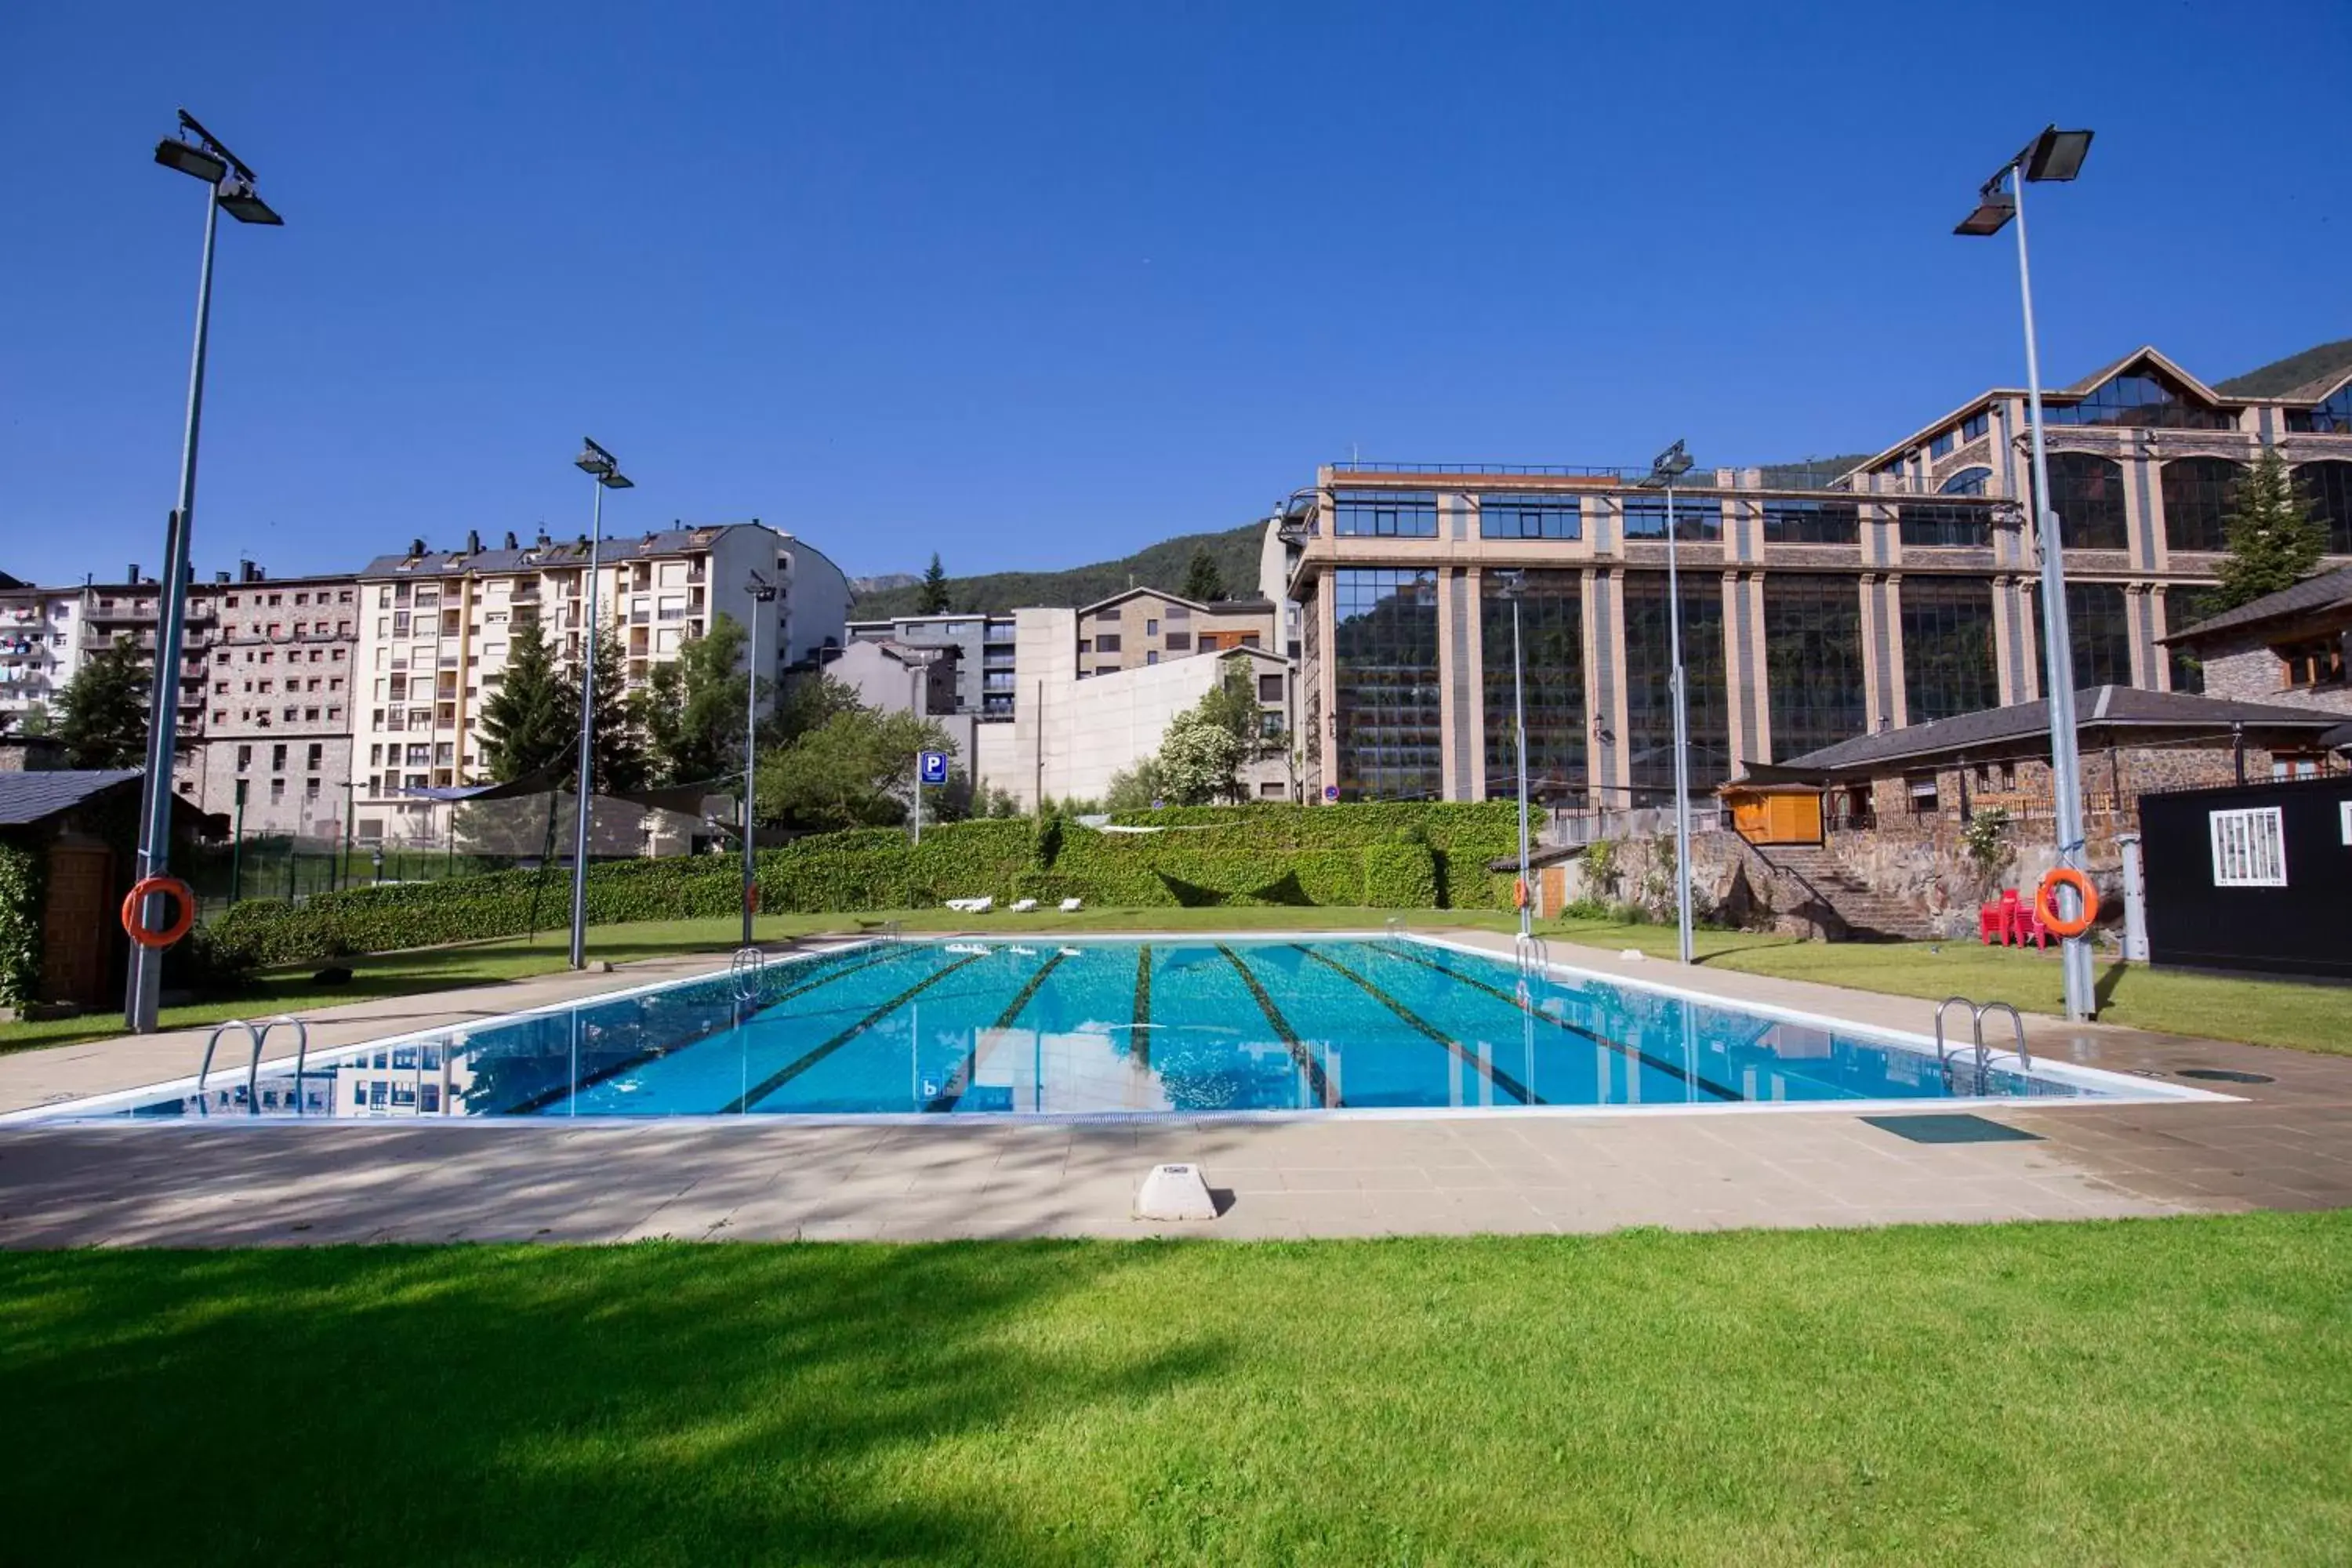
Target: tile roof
<point x="29" y="797"/>
<point x="558" y="552"/>
<point x="2325" y="591"/>
<point x="2107" y="709"/>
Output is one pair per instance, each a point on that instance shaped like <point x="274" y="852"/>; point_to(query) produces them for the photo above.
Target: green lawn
<point x="2262" y="1012"/>
<point x="2173" y="1391"/>
<point x="2310" y="1017"/>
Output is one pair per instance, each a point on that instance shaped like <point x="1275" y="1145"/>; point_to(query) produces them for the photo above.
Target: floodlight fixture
<point x="1668" y="465"/>
<point x="1995" y="208"/>
<point x="190" y="159"/>
<point x="594" y="459"/>
<point x="2057" y="155"/>
<point x="237" y="199"/>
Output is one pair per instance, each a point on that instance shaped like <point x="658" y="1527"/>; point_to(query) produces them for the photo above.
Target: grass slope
<point x="2285" y="375"/>
<point x="1161" y="565"/>
<point x="2144" y="1391"/>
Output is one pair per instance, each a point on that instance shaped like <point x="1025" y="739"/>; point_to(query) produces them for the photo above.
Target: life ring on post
<point x="170" y="887"/>
<point x="1519" y="892"/>
<point x="2066" y="877"/>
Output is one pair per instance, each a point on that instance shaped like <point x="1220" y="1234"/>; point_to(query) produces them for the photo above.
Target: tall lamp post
<point x="1671" y="465"/>
<point x="228" y="187"/>
<point x="2054" y="154"/>
<point x="1515" y="585"/>
<point x="763" y="591"/>
<point x="606" y="469"/>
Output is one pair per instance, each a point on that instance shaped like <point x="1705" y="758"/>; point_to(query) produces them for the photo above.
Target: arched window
<point x="1968" y="482"/>
<point x="2087" y="491"/>
<point x="2196" y="499"/>
<point x="2328" y="487"/>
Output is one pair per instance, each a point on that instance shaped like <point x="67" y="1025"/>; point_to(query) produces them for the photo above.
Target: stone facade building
<point x="2292" y="649"/>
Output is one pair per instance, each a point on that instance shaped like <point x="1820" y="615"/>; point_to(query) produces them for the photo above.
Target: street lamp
<point x="228" y="184"/>
<point x="1671" y="465"/>
<point x="606" y="469"/>
<point x="2054" y="154"/>
<point x="1515" y="585"/>
<point x="763" y="591"/>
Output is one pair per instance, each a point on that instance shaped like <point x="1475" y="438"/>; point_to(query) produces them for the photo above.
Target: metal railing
<point x="1979" y="1052"/>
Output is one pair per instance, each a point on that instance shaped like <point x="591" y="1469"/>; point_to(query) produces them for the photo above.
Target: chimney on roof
<point x="246" y="571"/>
<point x="473" y="542"/>
<point x="220" y="576"/>
<point x="417" y="547"/>
<point x="543" y="541"/>
<point x="511" y="539"/>
<point x="134" y="572"/>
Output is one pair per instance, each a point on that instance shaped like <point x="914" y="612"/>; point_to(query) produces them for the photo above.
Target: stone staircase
<point x="1867" y="915"/>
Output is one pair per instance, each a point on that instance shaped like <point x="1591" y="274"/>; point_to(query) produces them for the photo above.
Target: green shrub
<point x="22" y="877"/>
<point x="1400" y="875"/>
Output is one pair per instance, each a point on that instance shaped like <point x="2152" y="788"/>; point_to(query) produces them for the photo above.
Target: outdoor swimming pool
<point x="1108" y="1026"/>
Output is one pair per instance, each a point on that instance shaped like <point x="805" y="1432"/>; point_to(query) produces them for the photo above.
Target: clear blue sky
<point x="1033" y="285"/>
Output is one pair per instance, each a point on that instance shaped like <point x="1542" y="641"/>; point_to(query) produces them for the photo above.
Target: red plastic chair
<point x="2029" y="927"/>
<point x="2015" y="913"/>
<point x="1993" y="925"/>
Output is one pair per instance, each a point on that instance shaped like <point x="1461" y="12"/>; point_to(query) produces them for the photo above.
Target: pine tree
<point x="532" y="720"/>
<point x="1204" y="583"/>
<point x="933" y="600"/>
<point x="691" y="711"/>
<point x="2273" y="541"/>
<point x="102" y="712"/>
<point x="618" y="760"/>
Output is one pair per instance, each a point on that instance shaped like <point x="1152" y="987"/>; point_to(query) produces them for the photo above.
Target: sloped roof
<point x="2304" y="377"/>
<point x="29" y="797"/>
<point x="2150" y="352"/>
<point x="559" y="552"/>
<point x="2112" y="711"/>
<point x="2327" y="591"/>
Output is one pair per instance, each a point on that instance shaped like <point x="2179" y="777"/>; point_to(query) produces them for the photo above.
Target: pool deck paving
<point x="2286" y="1143"/>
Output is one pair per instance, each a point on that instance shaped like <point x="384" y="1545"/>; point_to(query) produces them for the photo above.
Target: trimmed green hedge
<point x="1395" y="856"/>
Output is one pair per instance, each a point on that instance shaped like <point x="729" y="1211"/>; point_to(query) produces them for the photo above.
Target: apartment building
<point x="274" y="755"/>
<point x="436" y="627"/>
<point x="40" y="641"/>
<point x="982" y="652"/>
<point x="1142" y="626"/>
<point x="1815" y="606"/>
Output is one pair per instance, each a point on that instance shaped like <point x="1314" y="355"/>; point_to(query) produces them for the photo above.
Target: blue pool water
<point x="1190" y="1025"/>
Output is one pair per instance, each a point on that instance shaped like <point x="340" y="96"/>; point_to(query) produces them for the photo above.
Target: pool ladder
<point x="1534" y="956"/>
<point x="260" y="1038"/>
<point x="747" y="974"/>
<point x="1946" y="1052"/>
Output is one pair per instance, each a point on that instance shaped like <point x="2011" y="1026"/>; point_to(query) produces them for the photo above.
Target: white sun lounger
<point x="1023" y="907"/>
<point x="1070" y="906"/>
<point x="973" y="906"/>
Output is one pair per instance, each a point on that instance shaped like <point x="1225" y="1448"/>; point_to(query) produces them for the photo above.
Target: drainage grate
<point x="1952" y="1127"/>
<point x="2226" y="1075"/>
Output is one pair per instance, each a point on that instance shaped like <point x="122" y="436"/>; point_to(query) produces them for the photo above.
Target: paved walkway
<point x="2287" y="1145"/>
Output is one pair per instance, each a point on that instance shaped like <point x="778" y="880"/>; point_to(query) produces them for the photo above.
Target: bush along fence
<point x="1395" y="856"/>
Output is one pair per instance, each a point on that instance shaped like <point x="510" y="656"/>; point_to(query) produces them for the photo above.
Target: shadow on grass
<point x="661" y="1402"/>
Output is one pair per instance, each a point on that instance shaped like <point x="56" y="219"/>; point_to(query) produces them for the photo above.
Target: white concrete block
<point x="1175" y="1192"/>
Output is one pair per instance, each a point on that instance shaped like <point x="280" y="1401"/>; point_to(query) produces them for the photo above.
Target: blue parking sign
<point x="934" y="768"/>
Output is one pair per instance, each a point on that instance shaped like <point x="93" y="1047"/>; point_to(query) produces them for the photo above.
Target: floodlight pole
<point x="2065" y="765"/>
<point x="587" y="736"/>
<point x="1682" y="740"/>
<point x="146" y="983"/>
<point x="1516" y="586"/>
<point x="761" y="593"/>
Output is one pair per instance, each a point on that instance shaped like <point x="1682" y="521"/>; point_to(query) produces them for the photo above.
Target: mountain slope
<point x="1161" y="565"/>
<point x="2281" y="377"/>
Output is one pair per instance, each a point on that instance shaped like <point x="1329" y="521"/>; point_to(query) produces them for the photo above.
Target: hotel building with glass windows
<point x="1816" y="604"/>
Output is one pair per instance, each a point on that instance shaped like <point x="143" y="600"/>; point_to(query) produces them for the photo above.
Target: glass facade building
<point x="1819" y="602"/>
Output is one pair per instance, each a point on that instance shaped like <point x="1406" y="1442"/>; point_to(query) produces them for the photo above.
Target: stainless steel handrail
<point x="252" y="1066"/>
<point x="2017" y="1030"/>
<point x="301" y="1050"/>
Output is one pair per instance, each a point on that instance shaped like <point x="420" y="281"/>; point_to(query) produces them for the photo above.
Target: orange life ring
<point x="170" y="887"/>
<point x="1519" y="892"/>
<point x="2066" y="876"/>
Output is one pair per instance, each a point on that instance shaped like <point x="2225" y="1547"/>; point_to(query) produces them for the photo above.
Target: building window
<point x="2088" y="493"/>
<point x="1531" y="517"/>
<point x="1150" y="629"/>
<point x="2196" y="493"/>
<point x="1926" y="524"/>
<point x="1976" y="425"/>
<point x="2329" y="488"/>
<point x="277" y="791"/>
<point x="2332" y="418"/>
<point x="1649" y="706"/>
<point x="1973" y="482"/>
<point x="1271" y="789"/>
<point x="1696" y="517"/>
<point x="2249" y="847"/>
<point x="1269" y="688"/>
<point x="1384" y="684"/>
<point x="244" y="758"/>
<point x="1107" y="643"/>
<point x="1179" y="642"/>
<point x="2144" y="400"/>
<point x="1811" y="522"/>
<point x="1152" y="656"/>
<point x="2183" y="608"/>
<point x="278" y="759"/>
<point x="1941" y="446"/>
<point x="1385" y="514"/>
<point x="2100" y="629"/>
<point x="1812" y="661"/>
<point x="1551" y="648"/>
<point x="2318" y="661"/>
<point x="1947" y="650"/>
<point x="1919" y="790"/>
